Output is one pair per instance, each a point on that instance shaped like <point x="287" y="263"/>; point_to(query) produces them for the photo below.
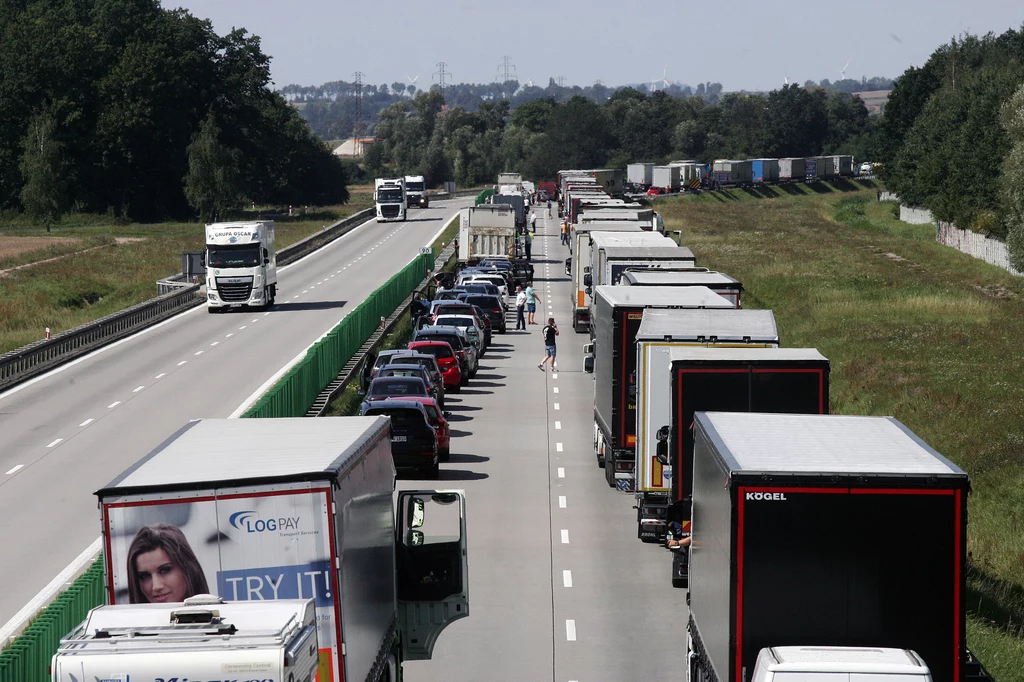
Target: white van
<point x="839" y="664"/>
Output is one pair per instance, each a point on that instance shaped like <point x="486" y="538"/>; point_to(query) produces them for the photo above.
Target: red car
<point x="451" y="372"/>
<point x="437" y="420"/>
<point x="655" y="191"/>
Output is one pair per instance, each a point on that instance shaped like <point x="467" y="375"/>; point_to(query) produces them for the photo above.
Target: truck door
<point x="433" y="568"/>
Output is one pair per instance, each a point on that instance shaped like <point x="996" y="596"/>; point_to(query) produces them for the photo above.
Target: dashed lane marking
<point x="113" y="404"/>
<point x="86" y="422"/>
<point x="138" y="388"/>
<point x="182" y="363"/>
<point x="55" y="442"/>
<point x="558" y="447"/>
<point x="558" y="425"/>
<point x="215" y="343"/>
<point x="556" y="406"/>
<point x="567" y="578"/>
<point x="561" y="472"/>
<point x="570" y="630"/>
<point x="14" y="469"/>
<point x="198" y="352"/>
<point x="565" y="536"/>
<point x="161" y="375"/>
<point x="554" y="389"/>
<point x="561" y="502"/>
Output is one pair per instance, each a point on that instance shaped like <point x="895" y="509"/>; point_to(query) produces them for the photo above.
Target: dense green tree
<point x="44" y="194"/>
<point x="579" y="135"/>
<point x="795" y="122"/>
<point x="1012" y="181"/>
<point x="533" y="116"/>
<point x="212" y="184"/>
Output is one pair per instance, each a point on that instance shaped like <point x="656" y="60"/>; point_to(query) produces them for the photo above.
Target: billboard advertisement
<point x="239" y="545"/>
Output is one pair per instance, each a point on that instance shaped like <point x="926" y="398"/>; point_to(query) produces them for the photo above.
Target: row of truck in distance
<point x="690" y="174"/>
<point x="270" y="549"/>
<point x="813" y="547"/>
<point x="393" y="197"/>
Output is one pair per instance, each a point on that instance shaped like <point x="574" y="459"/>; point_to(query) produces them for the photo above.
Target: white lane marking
<point x="558" y="447"/>
<point x="561" y="501"/>
<point x="558" y="425"/>
<point x="242" y="327"/>
<point x="561" y="472"/>
<point x="215" y="343"/>
<point x="182" y="363"/>
<point x="198" y="353"/>
<point x="161" y="375"/>
<point x="228" y="336"/>
<point x="138" y="388"/>
<point x="311" y="286"/>
<point x="567" y="578"/>
<point x="305" y="291"/>
<point x="256" y="320"/>
<point x="554" y="389"/>
<point x="293" y="298"/>
<point x="570" y="630"/>
<point x="20" y="466"/>
<point x="265" y="314"/>
<point x="565" y="536"/>
<point x="554" y="375"/>
<point x="557" y="407"/>
<point x="338" y="272"/>
<point x="55" y="442"/>
<point x="113" y="404"/>
<point x="86" y="422"/>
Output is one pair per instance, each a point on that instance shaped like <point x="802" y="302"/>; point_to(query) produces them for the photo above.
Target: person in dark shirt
<point x="549" y="332"/>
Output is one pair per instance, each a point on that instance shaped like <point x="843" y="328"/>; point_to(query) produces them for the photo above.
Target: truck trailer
<point x="718" y="282"/>
<point x="618" y="312"/>
<point x="416" y="191"/>
<point x="648" y="218"/>
<point x="640" y="175"/>
<point x="258" y="509"/>
<point x="485" y="231"/>
<point x="666" y="177"/>
<point x="203" y="638"/>
<point x="578" y="265"/>
<point x="823" y="531"/>
<point x="610" y="259"/>
<point x="241" y="265"/>
<point x="663" y="336"/>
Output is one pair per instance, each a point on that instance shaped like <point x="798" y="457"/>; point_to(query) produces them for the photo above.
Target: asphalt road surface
<point x="560" y="587"/>
<point x="65" y="435"/>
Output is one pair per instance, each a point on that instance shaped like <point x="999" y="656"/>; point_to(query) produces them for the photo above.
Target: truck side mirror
<point x="662" y="434"/>
<point x="588" y="280"/>
<point x="589" y="291"/>
<point x="416" y="513"/>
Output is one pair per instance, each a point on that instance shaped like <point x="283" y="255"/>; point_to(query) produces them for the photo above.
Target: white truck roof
<point x="291" y="448"/>
<point x="755" y="354"/>
<point x="670" y="277"/>
<point x="610" y="226"/>
<point x="611" y="239"/>
<point x="825" y="659"/>
<point x="238" y="232"/>
<point x="653" y="251"/>
<point x="724" y="325"/>
<point x="816" y="443"/>
<point x="654" y="296"/>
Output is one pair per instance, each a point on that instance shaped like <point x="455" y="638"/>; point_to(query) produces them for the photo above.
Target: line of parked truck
<point x="814" y="547"/>
<point x="691" y="174"/>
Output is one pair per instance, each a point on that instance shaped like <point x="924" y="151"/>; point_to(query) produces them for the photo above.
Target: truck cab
<point x="839" y="664"/>
<point x="241" y="265"/>
<point x="416" y="191"/>
<point x="390" y="196"/>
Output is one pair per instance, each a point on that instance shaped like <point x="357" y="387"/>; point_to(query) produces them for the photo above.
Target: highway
<point x="66" y="434"/>
<point x="560" y="587"/>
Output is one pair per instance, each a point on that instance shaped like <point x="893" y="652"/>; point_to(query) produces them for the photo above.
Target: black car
<point x="413" y="439"/>
<point x="385" y="357"/>
<point x="394" y="387"/>
<point x="492" y="307"/>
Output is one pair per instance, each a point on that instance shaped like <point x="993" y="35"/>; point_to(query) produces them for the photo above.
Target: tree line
<point x="952" y="137"/>
<point x="123" y="107"/>
<point x="425" y="135"/>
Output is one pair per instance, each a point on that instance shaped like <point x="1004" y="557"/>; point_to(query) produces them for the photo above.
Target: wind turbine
<point x="842" y="71"/>
<point x="664" y="83"/>
<point x="412" y="81"/>
<point x="528" y="83"/>
<point x="785" y="79"/>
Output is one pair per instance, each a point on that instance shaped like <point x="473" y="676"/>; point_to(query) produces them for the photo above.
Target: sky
<point x="744" y="45"/>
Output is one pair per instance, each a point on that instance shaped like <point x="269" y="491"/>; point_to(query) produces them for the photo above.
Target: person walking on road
<point x="565" y="232"/>
<point x="549" y="332"/>
<point x="531" y="303"/>
<point x="549" y="208"/>
<point x="520" y="308"/>
<point x="528" y="237"/>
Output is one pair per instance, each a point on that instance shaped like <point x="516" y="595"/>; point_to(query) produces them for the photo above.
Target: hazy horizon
<point x="747" y="46"/>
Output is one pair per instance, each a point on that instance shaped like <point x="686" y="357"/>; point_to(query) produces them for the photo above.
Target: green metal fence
<point x="297" y="390"/>
<point x="27" y="659"/>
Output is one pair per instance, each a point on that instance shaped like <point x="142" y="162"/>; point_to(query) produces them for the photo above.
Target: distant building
<point x="874" y="100"/>
<point x="354" y="148"/>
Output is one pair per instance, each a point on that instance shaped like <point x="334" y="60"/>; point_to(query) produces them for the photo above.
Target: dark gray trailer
<point x="823" y="530"/>
<point x="718" y="282"/>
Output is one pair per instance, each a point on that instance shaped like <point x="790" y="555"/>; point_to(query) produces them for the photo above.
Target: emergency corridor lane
<point x="71" y="432"/>
<point x="560" y="588"/>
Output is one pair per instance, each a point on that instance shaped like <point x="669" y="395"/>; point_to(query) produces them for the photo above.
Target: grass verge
<point x="82" y="286"/>
<point x="913" y="329"/>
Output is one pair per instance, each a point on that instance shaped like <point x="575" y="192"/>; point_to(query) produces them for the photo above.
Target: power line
<point x="509" y="69"/>
<point x="561" y="81"/>
<point x="358" y="84"/>
<point x="441" y="74"/>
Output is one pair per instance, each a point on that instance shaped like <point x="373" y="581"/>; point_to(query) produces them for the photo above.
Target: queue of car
<point x="450" y="335"/>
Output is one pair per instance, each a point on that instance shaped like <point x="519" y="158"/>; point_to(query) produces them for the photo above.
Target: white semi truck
<point x="416" y="191"/>
<point x="264" y="509"/>
<point x="390" y="196"/>
<point x="202" y="638"/>
<point x="487" y="230"/>
<point x="241" y="265"/>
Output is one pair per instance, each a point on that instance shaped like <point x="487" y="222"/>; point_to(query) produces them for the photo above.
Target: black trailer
<point x="718" y="282"/>
<point x="618" y="312"/>
<point x="823" y="530"/>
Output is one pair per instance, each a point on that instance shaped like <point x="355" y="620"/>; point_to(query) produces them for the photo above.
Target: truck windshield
<point x="414" y="186"/>
<point x="240" y="256"/>
<point x="389" y="196"/>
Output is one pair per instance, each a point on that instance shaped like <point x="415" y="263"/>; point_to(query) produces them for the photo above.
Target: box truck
<point x="203" y="638"/>
<point x="241" y="265"/>
<point x="666" y="177"/>
<point x="648" y="218"/>
<point x="260" y="509"/>
<point x="609" y="257"/>
<point x="578" y="265"/>
<point x="611" y="356"/>
<point x="416" y="191"/>
<point x="390" y="198"/>
<point x="718" y="282"/>
<point x="640" y="175"/>
<point x="823" y="531"/>
<point x="792" y="169"/>
<point x="487" y="230"/>
<point x="660" y="335"/>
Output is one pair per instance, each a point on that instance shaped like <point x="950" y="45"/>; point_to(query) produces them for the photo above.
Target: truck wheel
<point x="433" y="472"/>
<point x="609" y="472"/>
<point x="457" y="388"/>
<point x="445" y="454"/>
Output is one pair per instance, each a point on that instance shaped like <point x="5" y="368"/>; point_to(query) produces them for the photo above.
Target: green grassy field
<point x="81" y="286"/>
<point x="913" y="329"/>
